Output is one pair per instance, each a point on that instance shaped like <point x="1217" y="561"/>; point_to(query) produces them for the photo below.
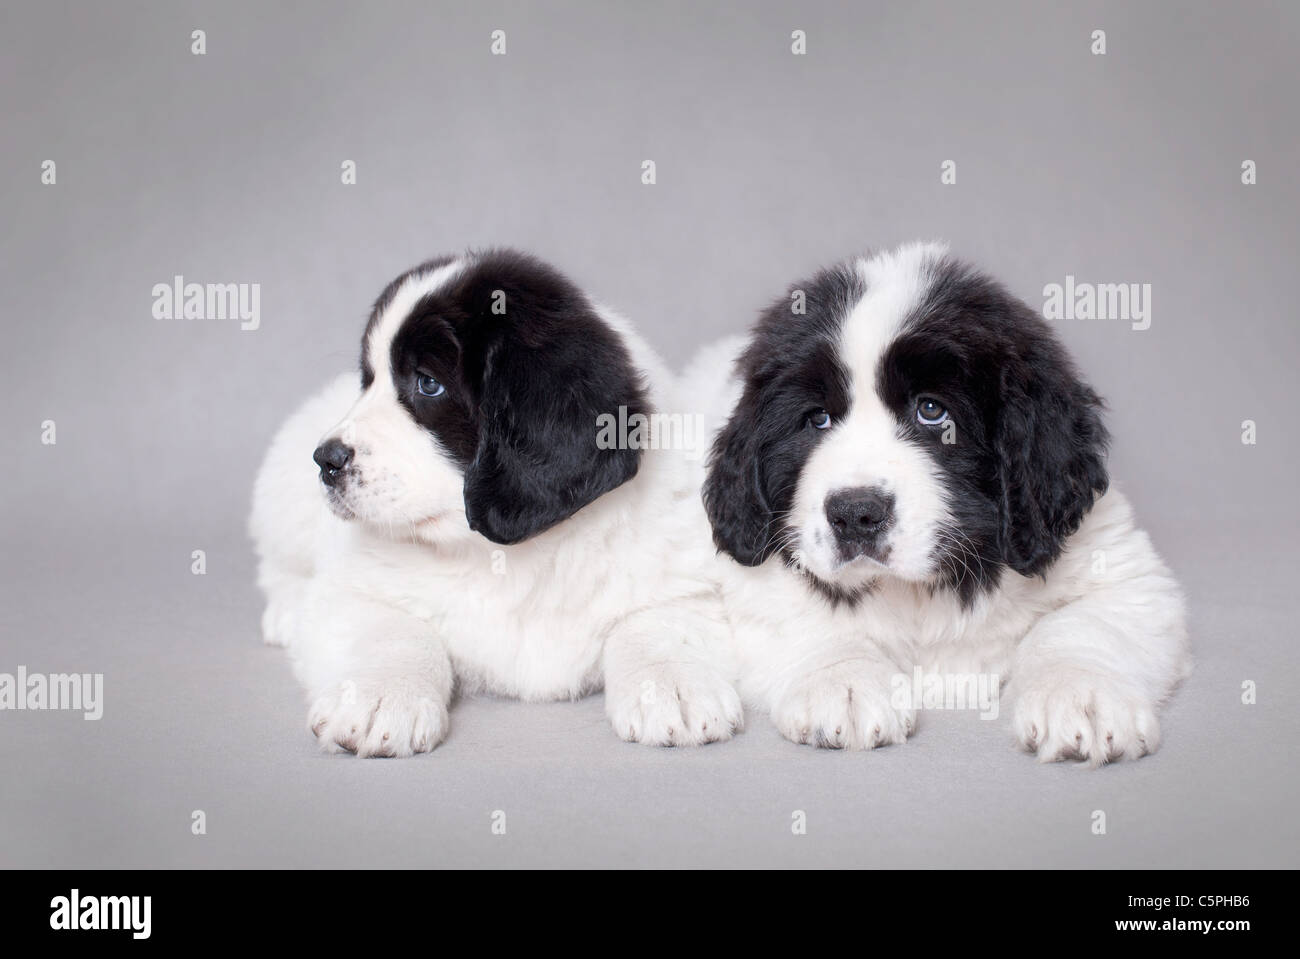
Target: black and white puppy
<point x="912" y="474"/>
<point x="463" y="524"/>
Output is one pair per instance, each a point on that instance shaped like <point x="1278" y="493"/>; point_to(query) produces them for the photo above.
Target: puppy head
<point x="915" y="421"/>
<point x="482" y="379"/>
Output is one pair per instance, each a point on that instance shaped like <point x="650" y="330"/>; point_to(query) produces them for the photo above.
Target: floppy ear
<point x="538" y="461"/>
<point x="1051" y="446"/>
<point x="738" y="509"/>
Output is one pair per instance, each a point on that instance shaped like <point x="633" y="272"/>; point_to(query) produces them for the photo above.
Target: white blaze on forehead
<point x="866" y="446"/>
<point x="413" y="289"/>
<point x="896" y="282"/>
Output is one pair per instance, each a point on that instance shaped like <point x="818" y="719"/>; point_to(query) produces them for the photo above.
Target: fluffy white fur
<point x="386" y="613"/>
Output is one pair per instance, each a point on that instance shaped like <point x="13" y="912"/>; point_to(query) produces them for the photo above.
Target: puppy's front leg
<point x="1091" y="675"/>
<point x="667" y="675"/>
<point x="379" y="680"/>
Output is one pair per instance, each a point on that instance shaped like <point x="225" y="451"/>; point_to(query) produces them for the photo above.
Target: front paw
<point x="845" y="706"/>
<point x="1077" y="714"/>
<point x="673" y="704"/>
<point x="372" y="719"/>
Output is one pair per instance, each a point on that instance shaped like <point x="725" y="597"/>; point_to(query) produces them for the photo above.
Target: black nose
<point x="857" y="516"/>
<point x="331" y="456"/>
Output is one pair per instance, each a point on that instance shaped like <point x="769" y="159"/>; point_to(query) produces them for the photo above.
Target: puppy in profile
<point x="462" y="526"/>
<point x="910" y="472"/>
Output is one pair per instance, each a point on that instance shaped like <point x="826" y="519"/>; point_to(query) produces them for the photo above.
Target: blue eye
<point x="428" y="386"/>
<point x="930" y="411"/>
<point x="819" y="420"/>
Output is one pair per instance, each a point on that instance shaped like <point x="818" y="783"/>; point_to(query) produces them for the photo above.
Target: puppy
<point x="463" y="525"/>
<point x="912" y="474"/>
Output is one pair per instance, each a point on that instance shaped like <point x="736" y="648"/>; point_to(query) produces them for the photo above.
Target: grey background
<point x="225" y="168"/>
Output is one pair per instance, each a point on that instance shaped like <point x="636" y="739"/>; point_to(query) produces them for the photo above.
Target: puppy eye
<point x="428" y="386"/>
<point x="819" y="420"/>
<point x="930" y="411"/>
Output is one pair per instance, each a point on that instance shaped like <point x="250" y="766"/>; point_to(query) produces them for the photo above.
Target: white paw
<point x="845" y="706"/>
<point x="1077" y="714"/>
<point x="377" y="720"/>
<point x="673" y="704"/>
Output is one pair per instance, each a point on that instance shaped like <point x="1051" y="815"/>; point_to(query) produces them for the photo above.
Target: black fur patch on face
<point x="527" y="366"/>
<point x="1028" y="458"/>
<point x="1028" y="453"/>
<point x="789" y="371"/>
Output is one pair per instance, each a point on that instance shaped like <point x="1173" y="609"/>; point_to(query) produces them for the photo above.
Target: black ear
<point x="538" y="461"/>
<point x="1051" y="447"/>
<point x="738" y="509"/>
